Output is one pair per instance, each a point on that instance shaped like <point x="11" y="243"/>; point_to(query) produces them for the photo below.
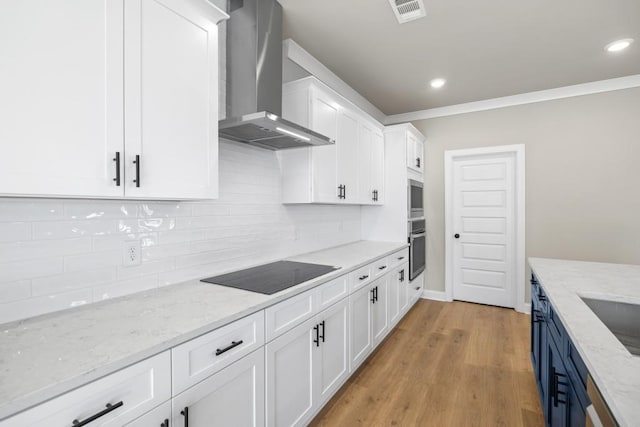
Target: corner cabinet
<point x="106" y="120"/>
<point x="349" y="172"/>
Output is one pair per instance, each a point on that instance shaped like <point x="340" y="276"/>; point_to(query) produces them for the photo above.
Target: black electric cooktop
<point x="271" y="278"/>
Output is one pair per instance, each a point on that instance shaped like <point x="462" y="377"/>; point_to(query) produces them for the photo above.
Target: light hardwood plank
<point x="445" y="364"/>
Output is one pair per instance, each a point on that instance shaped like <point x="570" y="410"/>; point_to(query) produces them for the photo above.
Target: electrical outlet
<point x="132" y="253"/>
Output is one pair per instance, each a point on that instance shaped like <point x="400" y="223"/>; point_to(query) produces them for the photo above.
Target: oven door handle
<point x="414" y="236"/>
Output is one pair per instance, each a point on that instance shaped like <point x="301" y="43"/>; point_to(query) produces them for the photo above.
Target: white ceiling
<point x="485" y="49"/>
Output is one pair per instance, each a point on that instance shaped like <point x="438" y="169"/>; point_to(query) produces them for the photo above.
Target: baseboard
<point x="524" y="308"/>
<point x="435" y="295"/>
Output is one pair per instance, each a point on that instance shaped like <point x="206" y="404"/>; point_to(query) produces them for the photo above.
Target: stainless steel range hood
<point x="254" y="80"/>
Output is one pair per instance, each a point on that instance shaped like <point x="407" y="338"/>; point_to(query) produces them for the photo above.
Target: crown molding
<point x="520" y="99"/>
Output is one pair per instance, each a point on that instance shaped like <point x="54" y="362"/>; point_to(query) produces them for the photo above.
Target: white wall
<point x="582" y="175"/>
<point x="60" y="253"/>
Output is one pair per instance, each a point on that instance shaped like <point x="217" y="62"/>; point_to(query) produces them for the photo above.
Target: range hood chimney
<point x="254" y="80"/>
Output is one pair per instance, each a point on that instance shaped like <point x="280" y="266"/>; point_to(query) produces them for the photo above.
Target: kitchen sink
<point x="622" y="319"/>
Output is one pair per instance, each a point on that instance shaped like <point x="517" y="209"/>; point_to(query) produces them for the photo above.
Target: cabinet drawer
<point x="195" y="360"/>
<point x="380" y="267"/>
<point x="131" y="392"/>
<point x="155" y="417"/>
<point x="285" y="315"/>
<point x="398" y="258"/>
<point x="360" y="277"/>
<point x="331" y="292"/>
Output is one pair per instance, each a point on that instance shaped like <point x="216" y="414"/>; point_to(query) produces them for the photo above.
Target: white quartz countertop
<point x="614" y="370"/>
<point x="46" y="356"/>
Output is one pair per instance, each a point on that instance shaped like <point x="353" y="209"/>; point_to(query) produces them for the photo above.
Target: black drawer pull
<point x="137" y="163"/>
<point x="382" y="268"/>
<point x="117" y="160"/>
<point x="185" y="414"/>
<point x="102" y="413"/>
<point x="233" y="344"/>
<point x="417" y="288"/>
<point x="321" y="336"/>
<point x="400" y="258"/>
<point x="316" y="340"/>
<point x="366" y="276"/>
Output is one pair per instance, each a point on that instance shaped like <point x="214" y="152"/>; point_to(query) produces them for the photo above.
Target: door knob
<point x="457" y="236"/>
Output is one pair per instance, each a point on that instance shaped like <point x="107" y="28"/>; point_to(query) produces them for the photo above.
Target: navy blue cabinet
<point x="560" y="373"/>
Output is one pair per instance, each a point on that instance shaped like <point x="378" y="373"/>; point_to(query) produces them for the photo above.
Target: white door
<point x="289" y="364"/>
<point x="232" y="397"/>
<point x="324" y="120"/>
<point x="61" y="97"/>
<point x="360" y="326"/>
<point x="482" y="221"/>
<point x="171" y="99"/>
<point x="347" y="146"/>
<point x="332" y="365"/>
<point x="380" y="310"/>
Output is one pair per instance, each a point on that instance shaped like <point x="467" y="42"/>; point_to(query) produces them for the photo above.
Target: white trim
<point x="520" y="274"/>
<point x="297" y="54"/>
<point x="520" y="99"/>
<point x="435" y="295"/>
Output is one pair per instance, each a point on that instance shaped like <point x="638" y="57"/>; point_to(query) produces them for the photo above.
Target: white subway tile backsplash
<point x="14" y="231"/>
<point x="58" y="253"/>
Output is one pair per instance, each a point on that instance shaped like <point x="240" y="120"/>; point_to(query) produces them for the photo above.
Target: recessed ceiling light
<point x="618" y="45"/>
<point x="437" y="83"/>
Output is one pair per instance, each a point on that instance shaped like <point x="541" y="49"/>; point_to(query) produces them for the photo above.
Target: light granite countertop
<point x="614" y="370"/>
<point x="46" y="356"/>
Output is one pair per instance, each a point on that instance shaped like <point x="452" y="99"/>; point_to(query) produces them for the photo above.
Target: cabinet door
<point x="61" y="104"/>
<point x="377" y="166"/>
<point x="404" y="291"/>
<point x="160" y="416"/>
<point x="289" y="364"/>
<point x="364" y="164"/>
<point x="332" y="365"/>
<point x="558" y="387"/>
<point x="348" y="155"/>
<point x="395" y="281"/>
<point x="171" y="99"/>
<point x="359" y="326"/>
<point x="380" y="315"/>
<point x="232" y="397"/>
<point x="419" y="153"/>
<point x="324" y="120"/>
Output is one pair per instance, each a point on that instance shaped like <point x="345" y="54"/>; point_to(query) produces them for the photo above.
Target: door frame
<point x="518" y="150"/>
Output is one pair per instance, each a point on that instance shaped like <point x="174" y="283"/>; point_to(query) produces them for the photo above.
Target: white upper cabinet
<point x="61" y="97"/>
<point x="415" y="153"/>
<point x="339" y="173"/>
<point x="91" y="86"/>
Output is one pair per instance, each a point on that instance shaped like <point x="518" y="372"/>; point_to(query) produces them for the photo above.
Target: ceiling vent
<point x="408" y="10"/>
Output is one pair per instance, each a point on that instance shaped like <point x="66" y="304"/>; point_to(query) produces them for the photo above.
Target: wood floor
<point x="445" y="364"/>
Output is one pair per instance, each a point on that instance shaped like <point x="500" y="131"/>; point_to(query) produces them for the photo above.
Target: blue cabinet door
<point x="558" y="387"/>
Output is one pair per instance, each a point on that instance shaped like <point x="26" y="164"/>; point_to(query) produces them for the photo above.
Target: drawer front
<point x="380" y="267"/>
<point x="398" y="258"/>
<point x="360" y="278"/>
<point x="197" y="359"/>
<point x="289" y="313"/>
<point x="331" y="292"/>
<point x="155" y="417"/>
<point x="130" y="392"/>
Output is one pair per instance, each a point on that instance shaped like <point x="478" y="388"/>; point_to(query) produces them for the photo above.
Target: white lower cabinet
<point x="306" y="366"/>
<point x="380" y="310"/>
<point x="289" y="363"/>
<point x="160" y="416"/>
<point x="232" y="397"/>
<point x="360" y="308"/>
<point x="398" y="293"/>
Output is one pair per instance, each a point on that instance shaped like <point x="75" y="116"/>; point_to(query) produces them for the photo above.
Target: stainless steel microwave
<point x="415" y="199"/>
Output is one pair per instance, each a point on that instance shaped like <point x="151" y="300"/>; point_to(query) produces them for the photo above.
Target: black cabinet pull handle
<point x="417" y="288"/>
<point x="373" y="295"/>
<point x="110" y="408"/>
<point x="382" y="267"/>
<point x="185" y="414"/>
<point x="322" y="336"/>
<point x="402" y="275"/>
<point x="400" y="258"/>
<point x="165" y="423"/>
<point x="344" y="191"/>
<point x="233" y="344"/>
<point x="376" y="293"/>
<point x="317" y="338"/>
<point x="366" y="276"/>
<point x="137" y="163"/>
<point x="542" y="297"/>
<point x="555" y="387"/>
<point x="117" y="160"/>
<point x="418" y="161"/>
